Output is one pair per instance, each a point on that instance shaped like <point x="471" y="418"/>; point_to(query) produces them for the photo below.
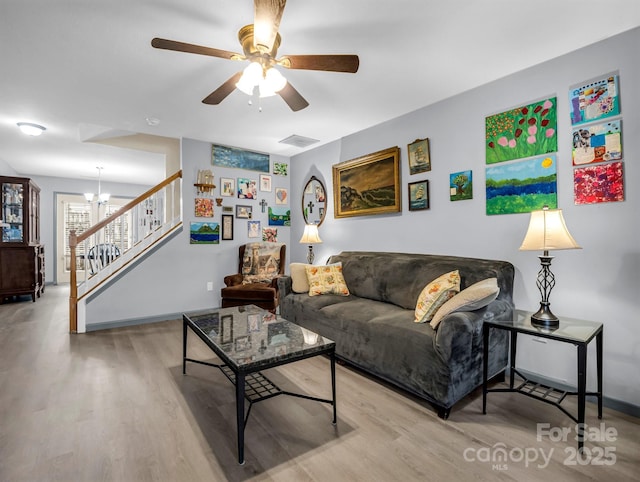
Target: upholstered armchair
<point x="259" y="266"/>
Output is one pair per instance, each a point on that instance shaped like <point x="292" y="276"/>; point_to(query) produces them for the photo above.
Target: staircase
<point x="105" y="249"/>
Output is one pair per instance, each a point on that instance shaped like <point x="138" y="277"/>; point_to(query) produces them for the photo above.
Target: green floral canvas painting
<point x="526" y="131"/>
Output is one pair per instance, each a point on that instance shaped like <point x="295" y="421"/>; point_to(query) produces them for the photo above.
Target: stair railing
<point x="109" y="245"/>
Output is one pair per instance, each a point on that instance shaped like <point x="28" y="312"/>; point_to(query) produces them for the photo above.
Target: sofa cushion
<point x="473" y="298"/>
<point x="326" y="279"/>
<point x="261" y="262"/>
<point x="299" y="280"/>
<point x="436" y="294"/>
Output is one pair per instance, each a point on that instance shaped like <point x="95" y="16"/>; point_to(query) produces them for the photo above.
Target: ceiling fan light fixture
<point x="251" y="76"/>
<point x="272" y="83"/>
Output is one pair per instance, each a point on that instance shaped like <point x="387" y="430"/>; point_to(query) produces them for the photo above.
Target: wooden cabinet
<point x="21" y="254"/>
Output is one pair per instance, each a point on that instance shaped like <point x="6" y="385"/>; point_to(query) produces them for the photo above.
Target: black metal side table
<point x="574" y="331"/>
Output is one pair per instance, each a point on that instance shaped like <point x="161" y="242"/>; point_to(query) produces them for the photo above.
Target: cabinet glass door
<point x="12" y="212"/>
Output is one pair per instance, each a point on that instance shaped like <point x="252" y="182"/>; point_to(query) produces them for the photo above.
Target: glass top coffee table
<point x="248" y="339"/>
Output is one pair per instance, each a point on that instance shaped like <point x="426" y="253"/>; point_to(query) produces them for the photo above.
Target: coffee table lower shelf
<point x="257" y="387"/>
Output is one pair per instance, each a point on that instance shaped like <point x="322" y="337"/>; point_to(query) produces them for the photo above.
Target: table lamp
<point x="310" y="237"/>
<point x="547" y="231"/>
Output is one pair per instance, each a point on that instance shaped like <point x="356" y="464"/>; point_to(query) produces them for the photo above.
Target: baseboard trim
<point x="108" y="325"/>
<point x="612" y="403"/>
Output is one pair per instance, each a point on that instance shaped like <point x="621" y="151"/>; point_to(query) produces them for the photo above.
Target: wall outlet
<point x="209" y="285"/>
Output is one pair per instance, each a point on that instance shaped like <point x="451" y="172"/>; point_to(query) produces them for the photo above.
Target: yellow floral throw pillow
<point x="325" y="280"/>
<point x="436" y="294"/>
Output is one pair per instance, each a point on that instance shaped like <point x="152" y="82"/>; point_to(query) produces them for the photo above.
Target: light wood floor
<point x="114" y="405"/>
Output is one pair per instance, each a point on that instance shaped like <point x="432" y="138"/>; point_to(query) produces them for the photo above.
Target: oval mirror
<point x="314" y="201"/>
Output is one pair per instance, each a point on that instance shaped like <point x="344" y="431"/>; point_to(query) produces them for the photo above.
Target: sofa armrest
<point x="285" y="285"/>
<point x="233" y="279"/>
<point x="459" y="331"/>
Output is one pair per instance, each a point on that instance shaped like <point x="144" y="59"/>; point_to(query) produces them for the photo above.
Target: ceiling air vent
<point x="299" y="141"/>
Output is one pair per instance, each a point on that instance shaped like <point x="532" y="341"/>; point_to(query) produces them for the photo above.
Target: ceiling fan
<point x="260" y="42"/>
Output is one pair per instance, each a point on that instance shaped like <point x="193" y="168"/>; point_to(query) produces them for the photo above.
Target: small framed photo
<point x="242" y="343"/>
<point x="226" y="330"/>
<point x="253" y="229"/>
<point x="418" y="195"/>
<point x="243" y="212"/>
<point x="281" y="195"/>
<point x="419" y="158"/>
<point x="227" y="186"/>
<point x="265" y="182"/>
<point x="227" y="226"/>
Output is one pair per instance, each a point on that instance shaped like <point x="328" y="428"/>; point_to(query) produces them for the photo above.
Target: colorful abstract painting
<point x="279" y="217"/>
<point x="597" y="143"/>
<point x="523" y="186"/>
<point x="598" y="184"/>
<point x="204" y="233"/>
<point x="247" y="188"/>
<point x="461" y="185"/>
<point x="522" y="132"/>
<point x="594" y="100"/>
<point x="270" y="235"/>
<point x="204" y="208"/>
<point x="280" y="168"/>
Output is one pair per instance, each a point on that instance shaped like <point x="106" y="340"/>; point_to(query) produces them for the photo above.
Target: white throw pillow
<point x="474" y="297"/>
<point x="299" y="281"/>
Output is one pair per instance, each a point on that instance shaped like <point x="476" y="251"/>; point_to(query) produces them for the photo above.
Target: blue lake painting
<point x="522" y="186"/>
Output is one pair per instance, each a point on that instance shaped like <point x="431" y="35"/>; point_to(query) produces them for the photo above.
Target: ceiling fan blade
<point x="221" y="93"/>
<point x="161" y="43"/>
<point x="293" y="98"/>
<point x="329" y="63"/>
<point x="266" y="22"/>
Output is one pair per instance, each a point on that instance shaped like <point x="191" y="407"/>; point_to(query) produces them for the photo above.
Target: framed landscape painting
<point x="368" y="185"/>
<point x="225" y="156"/>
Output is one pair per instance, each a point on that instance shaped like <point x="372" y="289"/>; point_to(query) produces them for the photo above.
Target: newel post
<point x="73" y="288"/>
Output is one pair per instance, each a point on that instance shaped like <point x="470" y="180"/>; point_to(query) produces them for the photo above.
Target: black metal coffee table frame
<point x="250" y="383"/>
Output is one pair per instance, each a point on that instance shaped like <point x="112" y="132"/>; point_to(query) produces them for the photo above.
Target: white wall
<point x="600" y="282"/>
<point x="175" y="278"/>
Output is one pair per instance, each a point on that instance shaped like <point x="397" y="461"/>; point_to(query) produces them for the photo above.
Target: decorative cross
<point x="310" y="206"/>
<point x="263" y="204"/>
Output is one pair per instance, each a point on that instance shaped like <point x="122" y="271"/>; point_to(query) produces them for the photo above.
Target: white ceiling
<point x="80" y="67"/>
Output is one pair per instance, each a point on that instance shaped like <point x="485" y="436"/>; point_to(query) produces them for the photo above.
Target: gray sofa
<point x="374" y="326"/>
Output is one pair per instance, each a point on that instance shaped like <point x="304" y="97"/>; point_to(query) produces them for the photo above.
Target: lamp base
<point x="544" y="317"/>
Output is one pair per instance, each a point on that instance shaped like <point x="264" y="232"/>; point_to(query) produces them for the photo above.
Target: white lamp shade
<point x="547" y="231"/>
<point x="88" y="196"/>
<point x="310" y="235"/>
<point x="104" y="197"/>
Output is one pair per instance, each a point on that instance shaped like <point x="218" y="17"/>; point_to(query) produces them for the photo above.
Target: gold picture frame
<point x="419" y="156"/>
<point x="368" y="185"/>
